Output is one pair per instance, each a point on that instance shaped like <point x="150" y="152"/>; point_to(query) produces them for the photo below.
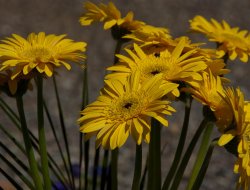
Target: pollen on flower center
<point x="37" y="54"/>
<point x="126" y="107"/>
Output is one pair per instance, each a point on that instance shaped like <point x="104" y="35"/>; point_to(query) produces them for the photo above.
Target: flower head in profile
<point x="174" y="66"/>
<point x="126" y="109"/>
<point x="239" y="130"/>
<point x="39" y="53"/>
<point x="16" y="86"/>
<point x="149" y="35"/>
<point x="210" y="92"/>
<point x="110" y="15"/>
<point x="231" y="41"/>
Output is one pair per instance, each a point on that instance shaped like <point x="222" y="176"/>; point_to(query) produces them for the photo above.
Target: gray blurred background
<point x="61" y="17"/>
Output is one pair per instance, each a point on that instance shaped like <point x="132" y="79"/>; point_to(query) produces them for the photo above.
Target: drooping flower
<point x="231" y="40"/>
<point x="239" y="130"/>
<point x="149" y="35"/>
<point x="110" y="15"/>
<point x="39" y="53"/>
<point x="210" y="92"/>
<point x="124" y="109"/>
<point x="174" y="66"/>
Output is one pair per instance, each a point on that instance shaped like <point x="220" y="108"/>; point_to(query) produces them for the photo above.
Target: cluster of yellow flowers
<point x="156" y="70"/>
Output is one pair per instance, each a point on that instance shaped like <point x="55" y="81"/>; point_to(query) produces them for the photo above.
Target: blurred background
<point x="61" y="17"/>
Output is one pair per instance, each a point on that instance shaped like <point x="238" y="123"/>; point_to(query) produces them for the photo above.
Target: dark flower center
<point x="157" y="54"/>
<point x="155" y="72"/>
<point x="128" y="105"/>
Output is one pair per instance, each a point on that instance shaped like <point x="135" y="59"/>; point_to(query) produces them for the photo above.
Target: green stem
<point x="143" y="179"/>
<point x="28" y="147"/>
<point x="86" y="159"/>
<point x="180" y="145"/>
<point x="64" y="131"/>
<point x="96" y="165"/>
<point x="82" y="144"/>
<point x="114" y="162"/>
<point x="204" y="166"/>
<point x="137" y="169"/>
<point x="201" y="155"/>
<point x="41" y="135"/>
<point x="104" y="169"/>
<point x="187" y="155"/>
<point x="57" y="141"/>
<point x="154" y="159"/>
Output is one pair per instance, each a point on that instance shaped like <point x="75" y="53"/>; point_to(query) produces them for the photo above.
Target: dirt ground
<point x="61" y="17"/>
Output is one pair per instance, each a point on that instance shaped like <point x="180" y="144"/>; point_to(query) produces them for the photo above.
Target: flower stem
<point x="154" y="157"/>
<point x="118" y="47"/>
<point x="204" y="166"/>
<point x="104" y="169"/>
<point x="64" y="131"/>
<point x="28" y="147"/>
<point x="114" y="162"/>
<point x="82" y="143"/>
<point x="41" y="134"/>
<point x="201" y="155"/>
<point x="180" y="145"/>
<point x="187" y="155"/>
<point x="96" y="165"/>
<point x="137" y="169"/>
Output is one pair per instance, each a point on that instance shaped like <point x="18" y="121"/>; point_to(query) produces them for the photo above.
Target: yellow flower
<point x="244" y="178"/>
<point x="39" y="53"/>
<point x="231" y="41"/>
<point x="124" y="109"/>
<point x="148" y="34"/>
<point x="240" y="129"/>
<point x="174" y="66"/>
<point x="110" y="15"/>
<point x="210" y="92"/>
<point x="15" y="86"/>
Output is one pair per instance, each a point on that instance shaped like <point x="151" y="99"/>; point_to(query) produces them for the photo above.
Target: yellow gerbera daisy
<point x="19" y="85"/>
<point x="231" y="41"/>
<point x="210" y="92"/>
<point x="39" y="53"/>
<point x="148" y="34"/>
<point x="240" y="129"/>
<point x="124" y="109"/>
<point x="110" y="15"/>
<point x="174" y="66"/>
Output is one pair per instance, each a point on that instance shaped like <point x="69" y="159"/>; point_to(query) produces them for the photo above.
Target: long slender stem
<point x="28" y="147"/>
<point x="154" y="157"/>
<point x="137" y="169"/>
<point x="65" y="138"/>
<point x="41" y="135"/>
<point x="143" y="179"/>
<point x="57" y="141"/>
<point x="82" y="143"/>
<point x="114" y="162"/>
<point x="204" y="166"/>
<point x="201" y="155"/>
<point x="187" y="155"/>
<point x="180" y="145"/>
<point x="86" y="159"/>
<point x="96" y="165"/>
<point x="104" y="169"/>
